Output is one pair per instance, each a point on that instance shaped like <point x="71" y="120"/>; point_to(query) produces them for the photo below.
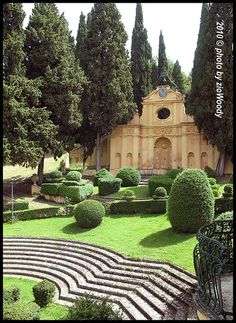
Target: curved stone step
<point x="142" y="289"/>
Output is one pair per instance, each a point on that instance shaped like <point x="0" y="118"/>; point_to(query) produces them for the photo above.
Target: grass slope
<point x="51" y="312"/>
<point x="138" y="236"/>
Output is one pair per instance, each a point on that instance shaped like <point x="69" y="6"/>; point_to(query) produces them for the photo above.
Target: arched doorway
<point x="204" y="160"/>
<point x="117" y="161"/>
<point x="162" y="154"/>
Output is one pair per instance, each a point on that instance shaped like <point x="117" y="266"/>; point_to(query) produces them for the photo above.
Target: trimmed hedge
<point x="130" y="176"/>
<point x="172" y="173"/>
<point x="138" y="206"/>
<point x="225" y="216"/>
<point x="50" y="188"/>
<point x="53" y="180"/>
<point x="191" y="201"/>
<point x="76" y="193"/>
<point x="82" y="182"/>
<point x="128" y="195"/>
<point x="17" y="205"/>
<point x="223" y="205"/>
<point x="89" y="213"/>
<point x="21" y="311"/>
<point x="102" y="173"/>
<point x="54" y="174"/>
<point x="31" y="214"/>
<point x="108" y="185"/>
<point x="44" y="292"/>
<point x="159" y="181"/>
<point x="11" y="294"/>
<point x="73" y="175"/>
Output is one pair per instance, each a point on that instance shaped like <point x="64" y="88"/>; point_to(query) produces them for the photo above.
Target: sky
<point x="179" y="23"/>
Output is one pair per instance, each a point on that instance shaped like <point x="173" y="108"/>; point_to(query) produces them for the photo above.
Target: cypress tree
<point x="50" y="56"/>
<point x="141" y="64"/>
<point x="212" y="85"/>
<point x="154" y="73"/>
<point x="109" y="94"/>
<point x="27" y="131"/>
<point x="81" y="39"/>
<point x="162" y="59"/>
<point x="178" y="76"/>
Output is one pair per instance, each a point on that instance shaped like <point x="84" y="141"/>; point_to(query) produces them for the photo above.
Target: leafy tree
<point x="178" y="76"/>
<point x="141" y="55"/>
<point x="211" y="84"/>
<point x="109" y="94"/>
<point x="162" y="59"/>
<point x="26" y="130"/>
<point x="50" y="56"/>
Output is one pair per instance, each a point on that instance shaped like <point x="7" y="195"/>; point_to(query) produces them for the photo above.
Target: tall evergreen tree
<point x="27" y="131"/>
<point x="162" y="59"/>
<point x="210" y="98"/>
<point x="50" y="56"/>
<point x="81" y="39"/>
<point x="141" y="64"/>
<point x="178" y="77"/>
<point x="109" y="94"/>
<point x="154" y="72"/>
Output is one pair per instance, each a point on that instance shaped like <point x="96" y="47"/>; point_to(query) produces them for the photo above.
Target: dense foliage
<point x="21" y="311"/>
<point x="128" y="195"/>
<point x="141" y="60"/>
<point x="130" y="176"/>
<point x="225" y="216"/>
<point x="160" y="192"/>
<point x="191" y="202"/>
<point x="178" y="77"/>
<point x="89" y="213"/>
<point x="210" y="99"/>
<point x="86" y="308"/>
<point x="44" y="292"/>
<point x="172" y="173"/>
<point x="162" y="59"/>
<point x="27" y="129"/>
<point x="108" y="185"/>
<point x="103" y="172"/>
<point x="73" y="176"/>
<point x="11" y="294"/>
<point x="139" y="206"/>
<point x="159" y="181"/>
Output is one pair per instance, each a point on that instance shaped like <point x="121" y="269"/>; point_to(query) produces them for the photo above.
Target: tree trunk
<point x="98" y="147"/>
<point x="40" y="171"/>
<point x="220" y="164"/>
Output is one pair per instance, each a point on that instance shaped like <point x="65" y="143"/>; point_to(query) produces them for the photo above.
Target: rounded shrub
<point x="172" y="173"/>
<point x="129" y="195"/>
<point x="102" y="173"/>
<point x="130" y="176"/>
<point x="86" y="308"/>
<point x="228" y="191"/>
<point x="89" y="213"/>
<point x="74" y="175"/>
<point x="44" y="292"/>
<point x="225" y="216"/>
<point x="11" y="294"/>
<point x="21" y="311"/>
<point x="160" y="192"/>
<point x="159" y="181"/>
<point x="54" y="174"/>
<point x="191" y="201"/>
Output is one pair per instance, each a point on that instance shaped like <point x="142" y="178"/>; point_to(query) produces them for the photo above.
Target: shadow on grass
<point x="73" y="228"/>
<point x="164" y="238"/>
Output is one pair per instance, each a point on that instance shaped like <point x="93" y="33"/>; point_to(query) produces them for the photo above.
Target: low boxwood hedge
<point x="172" y="173"/>
<point x="17" y="205"/>
<point x="75" y="183"/>
<point x="73" y="176"/>
<point x="108" y="185"/>
<point x="223" y="205"/>
<point x="138" y="206"/>
<point x="159" y="181"/>
<point x="75" y="193"/>
<point x="102" y="173"/>
<point x="31" y="214"/>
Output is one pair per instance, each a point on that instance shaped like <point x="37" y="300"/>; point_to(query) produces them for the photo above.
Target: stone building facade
<point x="164" y="137"/>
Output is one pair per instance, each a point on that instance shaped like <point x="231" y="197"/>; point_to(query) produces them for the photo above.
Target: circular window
<point x="163" y="113"/>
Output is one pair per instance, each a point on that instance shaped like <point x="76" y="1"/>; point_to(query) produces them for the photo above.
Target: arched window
<point x="204" y="161"/>
<point x="117" y="161"/>
<point x="129" y="160"/>
<point x="190" y="160"/>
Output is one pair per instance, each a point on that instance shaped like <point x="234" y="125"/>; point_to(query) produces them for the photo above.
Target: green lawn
<point x="140" y="191"/>
<point x="138" y="236"/>
<point x="51" y="312"/>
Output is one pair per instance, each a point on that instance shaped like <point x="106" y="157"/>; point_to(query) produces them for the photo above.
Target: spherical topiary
<point x="129" y="195"/>
<point x="89" y="213"/>
<point x="55" y="174"/>
<point x="228" y="191"/>
<point x="102" y="173"/>
<point x="160" y="192"/>
<point x="44" y="292"/>
<point x="130" y="176"/>
<point x="74" y="175"/>
<point x="191" y="201"/>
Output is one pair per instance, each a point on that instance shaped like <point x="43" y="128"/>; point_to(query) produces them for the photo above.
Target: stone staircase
<point x="141" y="289"/>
